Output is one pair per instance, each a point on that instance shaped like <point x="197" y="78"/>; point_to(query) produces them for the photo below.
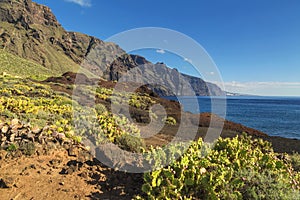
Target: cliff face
<point x="162" y="79"/>
<point x="26" y="13"/>
<point x="31" y="31"/>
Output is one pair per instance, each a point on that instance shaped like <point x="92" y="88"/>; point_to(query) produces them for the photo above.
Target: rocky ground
<point x="54" y="168"/>
<point x="50" y="166"/>
<point x="58" y="175"/>
<point x="47" y="166"/>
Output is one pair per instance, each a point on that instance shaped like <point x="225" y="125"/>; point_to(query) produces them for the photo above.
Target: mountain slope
<point x="162" y="79"/>
<point x="32" y="32"/>
<point x="15" y="65"/>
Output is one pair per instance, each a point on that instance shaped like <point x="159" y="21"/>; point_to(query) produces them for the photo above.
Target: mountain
<point x="12" y="64"/>
<point x="165" y="81"/>
<point x="31" y="31"/>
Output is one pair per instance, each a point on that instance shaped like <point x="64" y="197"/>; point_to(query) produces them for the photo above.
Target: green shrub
<point x="100" y="109"/>
<point x="130" y="143"/>
<point x="27" y="148"/>
<point x="152" y="115"/>
<point x="169" y="120"/>
<point x="38" y="104"/>
<point x="295" y="160"/>
<point x="12" y="147"/>
<point x="238" y="168"/>
<point x="263" y="184"/>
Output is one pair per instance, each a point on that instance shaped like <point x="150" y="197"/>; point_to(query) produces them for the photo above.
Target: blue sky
<point x="255" y="44"/>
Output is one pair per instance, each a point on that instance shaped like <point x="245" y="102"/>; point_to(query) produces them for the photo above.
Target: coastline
<point x="275" y="116"/>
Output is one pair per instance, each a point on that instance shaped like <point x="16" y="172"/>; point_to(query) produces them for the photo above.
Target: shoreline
<point x="275" y="116"/>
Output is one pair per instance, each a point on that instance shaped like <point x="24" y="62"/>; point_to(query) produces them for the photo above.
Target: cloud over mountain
<point x="83" y="3"/>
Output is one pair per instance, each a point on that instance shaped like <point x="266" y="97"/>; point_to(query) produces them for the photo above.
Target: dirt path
<point x="60" y="176"/>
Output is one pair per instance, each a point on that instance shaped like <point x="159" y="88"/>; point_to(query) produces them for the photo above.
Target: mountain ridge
<point x="31" y="31"/>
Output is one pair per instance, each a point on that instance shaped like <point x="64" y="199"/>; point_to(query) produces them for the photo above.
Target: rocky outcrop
<point x="26" y="13"/>
<point x="162" y="79"/>
<point x="31" y="31"/>
<point x="71" y="78"/>
<point x="16" y="135"/>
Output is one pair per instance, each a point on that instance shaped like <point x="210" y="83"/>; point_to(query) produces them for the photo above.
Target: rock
<point x="18" y="139"/>
<point x="23" y="132"/>
<point x="36" y="130"/>
<point x="7" y="182"/>
<point x="55" y="162"/>
<point x="14" y="130"/>
<point x="14" y="122"/>
<point x="72" y="152"/>
<point x="3" y="145"/>
<point x="1" y="125"/>
<point x="46" y="128"/>
<point x="55" y="134"/>
<point x="30" y="136"/>
<point x="12" y="137"/>
<point x="84" y="175"/>
<point x="72" y="167"/>
<point x="61" y="136"/>
<point x="112" y="156"/>
<point x="32" y="166"/>
<point x="41" y="139"/>
<point x="5" y="129"/>
<point x="3" y="139"/>
<point x="71" y="170"/>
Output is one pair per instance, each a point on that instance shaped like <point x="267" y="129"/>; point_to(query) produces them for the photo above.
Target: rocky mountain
<point x="31" y="31"/>
<point x="162" y="79"/>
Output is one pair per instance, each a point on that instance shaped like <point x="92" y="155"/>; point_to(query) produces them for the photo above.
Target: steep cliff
<point x="162" y="79"/>
<point x="31" y="31"/>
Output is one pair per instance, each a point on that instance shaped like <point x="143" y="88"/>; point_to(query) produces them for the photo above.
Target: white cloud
<point x="187" y="60"/>
<point x="161" y="51"/>
<point x="83" y="3"/>
<point x="263" y="88"/>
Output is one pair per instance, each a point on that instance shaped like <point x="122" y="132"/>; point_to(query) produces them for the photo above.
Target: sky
<point x="255" y="44"/>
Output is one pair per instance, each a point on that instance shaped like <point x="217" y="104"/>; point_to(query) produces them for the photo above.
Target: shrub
<point x="39" y="105"/>
<point x="130" y="143"/>
<point x="238" y="168"/>
<point x="152" y="115"/>
<point x="264" y="184"/>
<point x="169" y="120"/>
<point x="12" y="147"/>
<point x="295" y="160"/>
<point x="100" y="109"/>
<point x="27" y="148"/>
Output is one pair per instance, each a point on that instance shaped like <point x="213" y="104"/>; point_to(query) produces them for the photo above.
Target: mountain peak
<point x="31" y="31"/>
<point x="26" y="13"/>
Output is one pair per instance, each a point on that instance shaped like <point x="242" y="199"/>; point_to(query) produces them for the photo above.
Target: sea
<point x="275" y="116"/>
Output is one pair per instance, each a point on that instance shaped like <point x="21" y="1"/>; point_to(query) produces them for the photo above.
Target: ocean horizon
<point x="273" y="115"/>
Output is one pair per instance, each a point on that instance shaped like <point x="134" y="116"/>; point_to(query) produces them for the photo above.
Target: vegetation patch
<point x="40" y="106"/>
<point x="238" y="168"/>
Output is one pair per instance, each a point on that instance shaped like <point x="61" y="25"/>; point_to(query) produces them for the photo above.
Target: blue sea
<point x="275" y="116"/>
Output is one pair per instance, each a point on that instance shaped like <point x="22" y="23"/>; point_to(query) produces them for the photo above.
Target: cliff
<point x="31" y="31"/>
